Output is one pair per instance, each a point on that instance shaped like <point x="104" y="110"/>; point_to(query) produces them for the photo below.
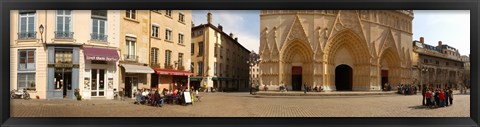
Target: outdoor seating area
<point x="153" y="97"/>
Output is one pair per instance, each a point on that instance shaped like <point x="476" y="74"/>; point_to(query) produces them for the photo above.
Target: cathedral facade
<point x="359" y="50"/>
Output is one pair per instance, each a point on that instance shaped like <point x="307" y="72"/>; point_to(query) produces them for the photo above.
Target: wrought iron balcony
<point x="168" y="66"/>
<point x="181" y="68"/>
<point x="63" y="35"/>
<point x="98" y="37"/>
<point x="155" y="65"/>
<point x="27" y="35"/>
<point x="129" y="57"/>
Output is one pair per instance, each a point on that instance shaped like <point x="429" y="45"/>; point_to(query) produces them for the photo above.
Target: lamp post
<point x="41" y="28"/>
<point x="252" y="61"/>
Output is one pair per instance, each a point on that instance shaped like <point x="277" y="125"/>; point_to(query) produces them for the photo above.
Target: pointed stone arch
<point x="360" y="52"/>
<point x="393" y="65"/>
<point x="296" y="53"/>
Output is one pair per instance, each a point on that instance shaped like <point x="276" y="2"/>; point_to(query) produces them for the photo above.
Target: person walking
<point x="305" y="88"/>
<point x="450" y="96"/>
<point x="424" y="90"/>
<point x="446" y="97"/>
<point x="432" y="98"/>
<point x="437" y="99"/>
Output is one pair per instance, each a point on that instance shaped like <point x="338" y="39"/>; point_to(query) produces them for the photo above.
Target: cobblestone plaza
<point x="246" y="105"/>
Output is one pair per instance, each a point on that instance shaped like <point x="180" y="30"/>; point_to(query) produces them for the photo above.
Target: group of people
<point x="407" y="89"/>
<point x="158" y="98"/>
<point x="437" y="97"/>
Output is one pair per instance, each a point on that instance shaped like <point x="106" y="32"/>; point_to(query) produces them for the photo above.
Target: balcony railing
<point x="27" y="35"/>
<point x="63" y="35"/>
<point x="98" y="37"/>
<point x="155" y="65"/>
<point x="168" y="66"/>
<point x="129" y="57"/>
<point x="181" y="67"/>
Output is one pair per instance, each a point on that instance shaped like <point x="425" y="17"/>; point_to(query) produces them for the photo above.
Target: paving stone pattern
<point x="246" y="105"/>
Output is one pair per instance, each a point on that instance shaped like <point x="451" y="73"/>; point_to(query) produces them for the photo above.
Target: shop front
<point x="63" y="71"/>
<point x="134" y="77"/>
<point x="100" y="77"/>
<point x="172" y="79"/>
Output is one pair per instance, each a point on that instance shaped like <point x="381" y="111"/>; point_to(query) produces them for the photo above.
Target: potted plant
<point x="77" y="94"/>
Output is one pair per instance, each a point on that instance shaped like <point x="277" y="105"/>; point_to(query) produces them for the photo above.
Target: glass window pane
<point x="31" y="57"/>
<point x="22" y="81"/>
<point x="95" y="26"/>
<point x="31" y="24"/>
<point x="127" y="13"/>
<point x="31" y="81"/>
<point x="67" y="24"/>
<point x="59" y="23"/>
<point x="102" y="27"/>
<point x="59" y="12"/>
<point x="133" y="14"/>
<point x="68" y="12"/>
<point x="23" y="24"/>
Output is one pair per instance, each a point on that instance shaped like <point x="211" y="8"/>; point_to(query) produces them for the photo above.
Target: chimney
<point x="231" y="35"/>
<point x="422" y="40"/>
<point x="220" y="27"/>
<point x="439" y="44"/>
<point x="236" y="39"/>
<point x="209" y="17"/>
<point x="193" y="24"/>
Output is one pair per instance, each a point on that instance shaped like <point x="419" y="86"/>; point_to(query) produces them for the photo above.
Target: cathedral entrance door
<point x="384" y="78"/>
<point x="343" y="78"/>
<point x="297" y="78"/>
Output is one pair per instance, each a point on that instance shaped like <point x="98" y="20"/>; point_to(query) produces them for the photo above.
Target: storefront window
<point x="63" y="56"/>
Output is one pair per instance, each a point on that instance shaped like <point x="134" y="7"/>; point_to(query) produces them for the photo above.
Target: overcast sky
<point x="452" y="27"/>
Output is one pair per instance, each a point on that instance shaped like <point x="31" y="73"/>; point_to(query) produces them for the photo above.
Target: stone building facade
<point x="54" y="51"/>
<point x="218" y="59"/>
<point x="437" y="66"/>
<point x="335" y="49"/>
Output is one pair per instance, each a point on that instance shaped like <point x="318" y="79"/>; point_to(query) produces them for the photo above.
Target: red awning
<point x="172" y="72"/>
<point x="102" y="54"/>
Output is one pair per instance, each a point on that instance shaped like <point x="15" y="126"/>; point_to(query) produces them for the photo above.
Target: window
<point x="154" y="31"/>
<point x="26" y="80"/>
<point x="220" y="69"/>
<point x="181" y="18"/>
<point x="446" y="63"/>
<point x="180" y="59"/>
<point x="221" y="55"/>
<point x="192" y="49"/>
<point x="215" y="51"/>
<point x="200" y="68"/>
<point x="131" y="49"/>
<point x="168" y="34"/>
<point x="437" y="62"/>
<point x="99" y="24"/>
<point x="168" y="54"/>
<point x="180" y="38"/>
<point x="154" y="56"/>
<point x="168" y="13"/>
<point x="192" y="67"/>
<point x="215" y="68"/>
<point x="64" y="24"/>
<point x="63" y="56"/>
<point x="26" y="26"/>
<point x="26" y="60"/>
<point x="131" y="14"/>
<point x="200" y="48"/>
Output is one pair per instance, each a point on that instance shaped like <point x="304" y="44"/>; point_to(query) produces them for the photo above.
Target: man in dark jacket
<point x="450" y="96"/>
<point x="424" y="90"/>
<point x="446" y="97"/>
<point x="305" y="88"/>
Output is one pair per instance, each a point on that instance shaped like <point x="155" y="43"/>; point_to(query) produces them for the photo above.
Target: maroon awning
<point x="102" y="54"/>
<point x="172" y="72"/>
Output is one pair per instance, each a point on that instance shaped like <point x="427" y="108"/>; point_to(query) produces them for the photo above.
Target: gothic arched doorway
<point x="343" y="78"/>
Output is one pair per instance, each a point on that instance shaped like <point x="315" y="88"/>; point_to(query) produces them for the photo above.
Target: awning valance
<point x="100" y="54"/>
<point x="172" y="72"/>
<point x="137" y="68"/>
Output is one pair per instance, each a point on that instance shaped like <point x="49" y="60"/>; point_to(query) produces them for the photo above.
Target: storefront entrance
<point x="131" y="85"/>
<point x="343" y="78"/>
<point x="98" y="83"/>
<point x="297" y="78"/>
<point x="63" y="80"/>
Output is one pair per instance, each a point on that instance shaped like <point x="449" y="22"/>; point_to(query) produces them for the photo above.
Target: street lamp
<point x="41" y="28"/>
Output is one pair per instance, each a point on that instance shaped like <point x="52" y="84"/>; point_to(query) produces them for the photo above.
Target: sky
<point x="452" y="27"/>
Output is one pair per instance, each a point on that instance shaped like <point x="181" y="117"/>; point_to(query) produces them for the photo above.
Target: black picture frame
<point x="7" y="5"/>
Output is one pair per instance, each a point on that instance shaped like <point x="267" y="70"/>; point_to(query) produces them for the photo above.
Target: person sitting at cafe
<point x="158" y="100"/>
<point x="139" y="97"/>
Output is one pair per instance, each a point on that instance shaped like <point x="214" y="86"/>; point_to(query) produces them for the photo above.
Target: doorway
<point x="131" y="85"/>
<point x="98" y="83"/>
<point x="63" y="79"/>
<point x="296" y="78"/>
<point x="384" y="78"/>
<point x="343" y="78"/>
